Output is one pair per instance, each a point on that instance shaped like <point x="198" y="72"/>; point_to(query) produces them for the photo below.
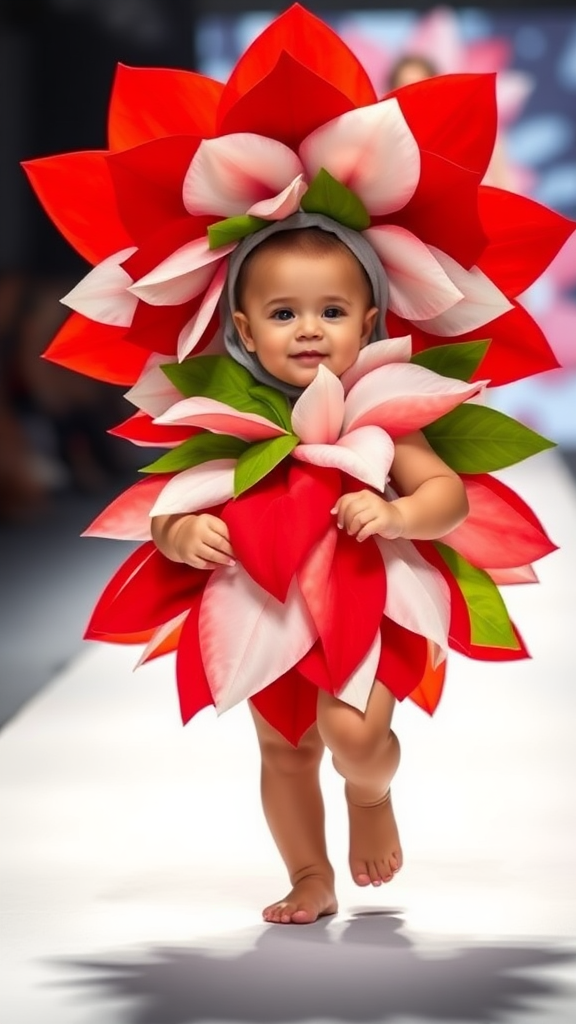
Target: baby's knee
<point x="287" y="759"/>
<point x="352" y="739"/>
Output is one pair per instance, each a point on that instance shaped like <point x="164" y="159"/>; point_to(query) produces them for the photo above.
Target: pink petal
<point x="358" y="686"/>
<point x="378" y="353"/>
<point x="128" y="516"/>
<point x="417" y="596"/>
<point x="221" y="419"/>
<point x="159" y="636"/>
<point x="372" y="151"/>
<point x="153" y="393"/>
<point x="499" y="531"/>
<point x="228" y="175"/>
<point x="103" y="295"/>
<point x="437" y="37"/>
<point x="482" y="302"/>
<point x="365" y="454"/>
<point x="282" y="205"/>
<point x="402" y="397"/>
<point x="519" y="574"/>
<point x="317" y="414"/>
<point x="200" y="487"/>
<point x="181" y="276"/>
<point x="419" y="287"/>
<point x="248" y="638"/>
<point x="192" y="332"/>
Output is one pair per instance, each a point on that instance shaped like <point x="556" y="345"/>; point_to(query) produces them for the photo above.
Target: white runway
<point x="134" y="858"/>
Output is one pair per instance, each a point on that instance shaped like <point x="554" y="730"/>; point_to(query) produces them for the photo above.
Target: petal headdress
<point x="193" y="167"/>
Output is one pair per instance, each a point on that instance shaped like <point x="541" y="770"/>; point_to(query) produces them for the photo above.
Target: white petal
<point x="197" y="488"/>
<point x="482" y="301"/>
<point x="282" y="205"/>
<point x="419" y="287"/>
<point x="220" y="419"/>
<point x="230" y="174"/>
<point x="190" y="334"/>
<point x="182" y="275"/>
<point x="403" y="397"/>
<point x="103" y="294"/>
<point x="358" y="686"/>
<point x="159" y="636"/>
<point x="370" y="150"/>
<point x="365" y="454"/>
<point x="247" y="637"/>
<point x="153" y="393"/>
<point x="317" y="415"/>
<point x="377" y="353"/>
<point x="417" y="595"/>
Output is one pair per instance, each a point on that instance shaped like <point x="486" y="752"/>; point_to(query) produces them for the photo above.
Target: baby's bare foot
<point x="311" y="897"/>
<point x="375" y="851"/>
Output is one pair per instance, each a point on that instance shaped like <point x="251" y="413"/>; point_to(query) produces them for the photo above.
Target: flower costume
<point x="196" y="171"/>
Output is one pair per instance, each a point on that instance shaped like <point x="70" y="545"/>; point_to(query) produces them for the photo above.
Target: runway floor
<point x="134" y="858"/>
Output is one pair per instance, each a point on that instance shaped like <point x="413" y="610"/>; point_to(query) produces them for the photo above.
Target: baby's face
<point x="301" y="310"/>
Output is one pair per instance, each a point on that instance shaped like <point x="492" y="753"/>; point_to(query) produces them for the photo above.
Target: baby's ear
<point x="370" y="318"/>
<point x="242" y="325"/>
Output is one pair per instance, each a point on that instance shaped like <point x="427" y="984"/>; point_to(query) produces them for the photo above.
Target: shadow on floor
<point x="364" y="969"/>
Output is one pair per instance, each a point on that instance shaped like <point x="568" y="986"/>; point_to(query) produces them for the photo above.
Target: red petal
<point x="71" y="188"/>
<point x="148" y="183"/>
<point x="149" y="103"/>
<point x="288" y="705"/>
<point x="524" y="238"/>
<point x="141" y="429"/>
<point x="310" y="42"/>
<point x="156" y="328"/>
<point x="354" y="594"/>
<point x="454" y="116"/>
<point x="517" y="347"/>
<point x="169" y="237"/>
<point x="274" y="524"/>
<point x="96" y="350"/>
<point x="500" y="533"/>
<point x="193" y="689"/>
<point x="444" y="210"/>
<point x="287" y="105"/>
<point x="146" y="591"/>
<point x="403" y="658"/>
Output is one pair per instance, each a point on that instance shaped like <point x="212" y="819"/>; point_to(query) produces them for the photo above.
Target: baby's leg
<point x="366" y="753"/>
<point x="294" y="810"/>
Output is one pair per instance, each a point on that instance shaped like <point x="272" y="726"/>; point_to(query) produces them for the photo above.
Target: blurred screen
<point x="534" y="53"/>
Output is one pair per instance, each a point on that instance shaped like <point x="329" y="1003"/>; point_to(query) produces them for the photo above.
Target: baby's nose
<point x="310" y="326"/>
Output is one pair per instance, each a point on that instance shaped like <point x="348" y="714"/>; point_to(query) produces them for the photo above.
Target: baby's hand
<point x="202" y="541"/>
<point x="364" y="513"/>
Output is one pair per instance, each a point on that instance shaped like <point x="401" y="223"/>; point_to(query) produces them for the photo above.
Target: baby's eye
<point x="282" y="314"/>
<point x="333" y="312"/>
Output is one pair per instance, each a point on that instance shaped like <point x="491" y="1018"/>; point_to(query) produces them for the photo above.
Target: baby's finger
<point x="211" y="553"/>
<point x="220" y="543"/>
<point x="368" y="530"/>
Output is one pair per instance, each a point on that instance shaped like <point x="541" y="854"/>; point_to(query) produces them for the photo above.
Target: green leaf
<point x="197" y="449"/>
<point x="277" y="403"/>
<point x="260" y="459"/>
<point x="223" y="379"/>
<point x="459" y="360"/>
<point x="326" y="195"/>
<point x="490" y="624"/>
<point x="477" y="439"/>
<point x="233" y="229"/>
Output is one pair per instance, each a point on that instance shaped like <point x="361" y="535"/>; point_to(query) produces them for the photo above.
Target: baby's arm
<point x="434" y="498"/>
<point x="201" y="541"/>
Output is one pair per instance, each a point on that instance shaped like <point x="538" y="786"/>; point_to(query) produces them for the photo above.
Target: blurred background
<point x="58" y="465"/>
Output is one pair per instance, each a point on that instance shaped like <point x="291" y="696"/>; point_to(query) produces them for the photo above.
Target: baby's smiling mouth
<point x="311" y="353"/>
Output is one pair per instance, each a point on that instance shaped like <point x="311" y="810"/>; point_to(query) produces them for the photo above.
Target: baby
<point x="302" y="298"/>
